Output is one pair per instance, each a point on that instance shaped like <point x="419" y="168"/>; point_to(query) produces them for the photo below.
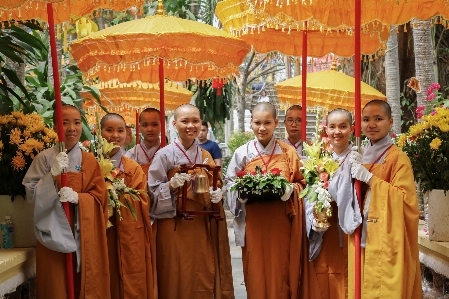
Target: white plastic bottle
<point x="10" y="231"/>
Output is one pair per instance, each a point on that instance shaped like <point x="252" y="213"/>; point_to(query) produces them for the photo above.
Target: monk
<point x="390" y="261"/>
<point x="131" y="256"/>
<point x="293" y="126"/>
<point x="86" y="192"/>
<point x="193" y="256"/>
<point x="270" y="233"/>
<point x="328" y="247"/>
<point x="150" y="128"/>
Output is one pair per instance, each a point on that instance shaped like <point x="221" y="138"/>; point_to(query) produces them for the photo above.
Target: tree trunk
<point x="422" y="41"/>
<point x="392" y="80"/>
<point x="100" y="20"/>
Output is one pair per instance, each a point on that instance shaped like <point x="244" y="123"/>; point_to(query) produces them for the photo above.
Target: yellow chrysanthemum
<point x="31" y="144"/>
<point x="17" y="114"/>
<point x="402" y="141"/>
<point x="435" y="144"/>
<point x="444" y="127"/>
<point x="36" y="127"/>
<point x="1" y="145"/>
<point x="27" y="134"/>
<point x="18" y="162"/>
<point x="416" y="130"/>
<point x="15" y="136"/>
<point x="46" y="139"/>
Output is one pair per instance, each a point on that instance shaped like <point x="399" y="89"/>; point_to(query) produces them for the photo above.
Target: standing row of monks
<point x="285" y="255"/>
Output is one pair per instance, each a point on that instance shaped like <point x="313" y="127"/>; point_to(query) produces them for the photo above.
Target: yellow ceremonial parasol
<point x="145" y="49"/>
<point x="117" y="96"/>
<point x="329" y="88"/>
<point x="240" y="18"/>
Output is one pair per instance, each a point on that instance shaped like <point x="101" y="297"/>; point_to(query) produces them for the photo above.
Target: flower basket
<point x="260" y="186"/>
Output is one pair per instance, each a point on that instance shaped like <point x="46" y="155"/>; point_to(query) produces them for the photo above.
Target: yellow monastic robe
<point x="390" y="262"/>
<point x="130" y="243"/>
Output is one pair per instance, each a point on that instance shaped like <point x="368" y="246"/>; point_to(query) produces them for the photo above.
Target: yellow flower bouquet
<point x="22" y="137"/>
<point x="427" y="145"/>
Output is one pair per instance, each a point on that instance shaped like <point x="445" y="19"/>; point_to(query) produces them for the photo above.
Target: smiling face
<point x="263" y="123"/>
<point x="71" y="121"/>
<point x="338" y="130"/>
<point x="113" y="129"/>
<point x="188" y="124"/>
<point x="150" y="127"/>
<point x="376" y="122"/>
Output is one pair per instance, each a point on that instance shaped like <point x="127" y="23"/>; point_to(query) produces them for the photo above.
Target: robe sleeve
<point x="164" y="205"/>
<point x="315" y="238"/>
<point x="50" y="222"/>
<point x="341" y="188"/>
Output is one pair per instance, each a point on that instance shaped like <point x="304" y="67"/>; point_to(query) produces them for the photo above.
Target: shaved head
<point x="111" y="116"/>
<point x="265" y="107"/>
<point x="382" y="104"/>
<point x="184" y="107"/>
<point x="341" y="111"/>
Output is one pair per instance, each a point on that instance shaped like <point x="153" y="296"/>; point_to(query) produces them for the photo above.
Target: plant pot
<point x="438" y="216"/>
<point x="21" y="213"/>
<point x="264" y="197"/>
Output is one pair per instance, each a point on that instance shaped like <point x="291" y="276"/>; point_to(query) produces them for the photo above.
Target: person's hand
<point x="354" y="156"/>
<point x="215" y="195"/>
<point x="316" y="228"/>
<point x="359" y="172"/>
<point x="66" y="194"/>
<point x="287" y="193"/>
<point x="179" y="179"/>
<point x="61" y="162"/>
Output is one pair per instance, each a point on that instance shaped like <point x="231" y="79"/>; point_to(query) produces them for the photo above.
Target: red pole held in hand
<point x="304" y="83"/>
<point x="58" y="111"/>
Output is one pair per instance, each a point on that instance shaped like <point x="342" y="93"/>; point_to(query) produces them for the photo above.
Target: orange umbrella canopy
<point x="330" y="89"/>
<point x="137" y="95"/>
<point x="240" y="18"/>
<point x="64" y="9"/>
<point x="130" y="51"/>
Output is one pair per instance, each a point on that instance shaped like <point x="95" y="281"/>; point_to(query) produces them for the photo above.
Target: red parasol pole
<point x="161" y="103"/>
<point x="304" y="82"/>
<point x="58" y="101"/>
<point x="358" y="134"/>
<point x="137" y="127"/>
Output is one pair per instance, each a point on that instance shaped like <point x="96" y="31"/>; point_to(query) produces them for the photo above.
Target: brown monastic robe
<point x="93" y="280"/>
<point x="194" y="261"/>
<point x="131" y="254"/>
<point x="275" y="235"/>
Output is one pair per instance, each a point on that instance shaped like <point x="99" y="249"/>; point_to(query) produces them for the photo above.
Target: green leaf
<point x="131" y="208"/>
<point x="304" y="192"/>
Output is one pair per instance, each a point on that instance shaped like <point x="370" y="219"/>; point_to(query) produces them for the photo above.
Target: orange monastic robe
<point x="131" y="256"/>
<point x="275" y="235"/>
<point x="51" y="279"/>
<point x="390" y="261"/>
<point x="193" y="256"/>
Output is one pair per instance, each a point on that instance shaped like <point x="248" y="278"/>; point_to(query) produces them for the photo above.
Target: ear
<point x="276" y="122"/>
<point x="174" y="123"/>
<point x="391" y="122"/>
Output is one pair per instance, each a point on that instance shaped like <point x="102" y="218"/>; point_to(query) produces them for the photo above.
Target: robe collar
<point x="267" y="149"/>
<point x="117" y="158"/>
<point x="372" y="151"/>
<point x="343" y="154"/>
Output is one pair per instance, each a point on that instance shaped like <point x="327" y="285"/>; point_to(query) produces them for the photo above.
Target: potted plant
<point x="427" y="145"/>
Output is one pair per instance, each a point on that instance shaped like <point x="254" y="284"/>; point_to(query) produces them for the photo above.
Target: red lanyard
<point x="378" y="158"/>
<point x="145" y="152"/>
<point x="271" y="156"/>
<point x="185" y="154"/>
<point x="295" y="146"/>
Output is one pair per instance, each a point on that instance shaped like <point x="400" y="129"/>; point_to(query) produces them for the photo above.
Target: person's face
<point x="263" y="124"/>
<point x="264" y="93"/>
<point x="375" y="122"/>
<point x="188" y="124"/>
<point x="293" y="121"/>
<point x="202" y="136"/>
<point x="150" y="126"/>
<point x="72" y="124"/>
<point x="114" y="130"/>
<point x="339" y="130"/>
<point x="129" y="136"/>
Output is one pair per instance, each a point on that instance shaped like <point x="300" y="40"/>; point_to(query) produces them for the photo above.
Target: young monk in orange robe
<point x="390" y="261"/>
<point x="271" y="233"/>
<point x="131" y="256"/>
<point x="87" y="193"/>
<point x="193" y="256"/>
